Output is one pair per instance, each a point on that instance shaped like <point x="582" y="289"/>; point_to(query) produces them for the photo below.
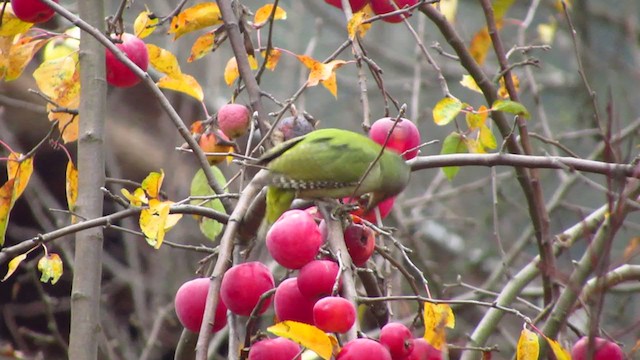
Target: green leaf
<point x="446" y="110"/>
<point x="511" y="107"/>
<point x="200" y="187"/>
<point x="452" y="144"/>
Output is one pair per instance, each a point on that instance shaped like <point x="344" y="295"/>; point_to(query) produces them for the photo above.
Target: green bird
<point x="331" y="163"/>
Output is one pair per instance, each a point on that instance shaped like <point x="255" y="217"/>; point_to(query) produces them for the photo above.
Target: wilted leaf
<point x="487" y="140"/>
<point x="306" y="335"/>
<point x="163" y="60"/>
<point x="13" y="265"/>
<point x="183" y="83"/>
<point x="53" y="74"/>
<point x="448" y="8"/>
<point x="145" y="24"/>
<point x="272" y="60"/>
<point x="528" y="347"/>
<point x="502" y="91"/>
<point x="355" y="25"/>
<point x="262" y="15"/>
<point x="560" y="352"/>
<point x="11" y="25"/>
<point x="446" y="110"/>
<point x="511" y="107"/>
<point x="452" y="144"/>
<point x="152" y="183"/>
<point x="436" y="318"/>
<point x="200" y="187"/>
<point x="195" y="18"/>
<point x="480" y="44"/>
<point x="21" y="54"/>
<point x="322" y="73"/>
<point x="475" y="119"/>
<point x="71" y="185"/>
<point x="202" y="46"/>
<point x="51" y="268"/>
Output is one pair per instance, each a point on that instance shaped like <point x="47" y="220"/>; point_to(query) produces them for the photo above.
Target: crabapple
<point x="356" y="5"/>
<point x="603" y="350"/>
<point x="118" y="74"/>
<point x="274" y="349"/>
<point x="290" y="304"/>
<point x="363" y="349"/>
<point x="360" y="242"/>
<point x="242" y="286"/>
<point x="234" y="120"/>
<point x="190" y="302"/>
<point x="422" y="350"/>
<point x="334" y="314"/>
<point x="32" y="11"/>
<point x="405" y="136"/>
<point x="316" y="279"/>
<point x="380" y="7"/>
<point x="397" y="338"/>
<point x="294" y="239"/>
<point x="291" y="126"/>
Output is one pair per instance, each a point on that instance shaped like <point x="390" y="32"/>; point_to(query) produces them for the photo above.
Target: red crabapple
<point x="334" y="314"/>
<point x="242" y="286"/>
<point x="356" y="5"/>
<point x="359" y="349"/>
<point x="290" y="304"/>
<point x="234" y="120"/>
<point x="190" y="302"/>
<point x="405" y="136"/>
<point x="422" y="350"/>
<point x="397" y="338"/>
<point x="32" y="11"/>
<point x="118" y="74"/>
<point x="380" y="7"/>
<point x="604" y="349"/>
<point x="316" y="279"/>
<point x="360" y="242"/>
<point x="274" y="349"/>
<point x="294" y="239"/>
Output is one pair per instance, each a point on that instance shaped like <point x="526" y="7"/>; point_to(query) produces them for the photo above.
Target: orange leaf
<point x="436" y="318"/>
<point x="183" y="83"/>
<point x="163" y="60"/>
<point x="13" y="265"/>
<point x="355" y="25"/>
<point x="502" y="91"/>
<point x="262" y="15"/>
<point x="11" y="25"/>
<point x="152" y="183"/>
<point x="528" y="347"/>
<point x="195" y="18"/>
<point x="71" y="185"/>
<point x="631" y="248"/>
<point x="203" y="45"/>
<point x="480" y="45"/>
<point x="231" y="72"/>
<point x="145" y="24"/>
<point x="51" y="268"/>
<point x="322" y="73"/>
<point x="306" y="335"/>
<point x="272" y="60"/>
<point x="21" y="54"/>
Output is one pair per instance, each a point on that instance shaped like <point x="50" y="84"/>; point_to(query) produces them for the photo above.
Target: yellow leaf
<point x="183" y="83"/>
<point x="502" y="91"/>
<point x="448" y="8"/>
<point x="137" y="198"/>
<point x="52" y="74"/>
<point x="272" y="60"/>
<point x="11" y="25"/>
<point x="528" y="347"/>
<point x="71" y="185"/>
<point x="152" y="183"/>
<point x="155" y="221"/>
<point x="306" y="335"/>
<point x="145" y="24"/>
<point x="51" y="268"/>
<point x="436" y="318"/>
<point x="487" y="140"/>
<point x="480" y="44"/>
<point x="253" y="63"/>
<point x="474" y="146"/>
<point x="262" y="15"/>
<point x="355" y="25"/>
<point x="446" y="110"/>
<point x="231" y="72"/>
<point x="19" y="170"/>
<point x="6" y="203"/>
<point x="163" y="60"/>
<point x="560" y="352"/>
<point x="477" y="118"/>
<point x="203" y="45"/>
<point x="547" y="32"/>
<point x="631" y="248"/>
<point x="500" y="8"/>
<point x="322" y="73"/>
<point x="195" y="18"/>
<point x="468" y="82"/>
<point x="13" y="265"/>
<point x="21" y="54"/>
